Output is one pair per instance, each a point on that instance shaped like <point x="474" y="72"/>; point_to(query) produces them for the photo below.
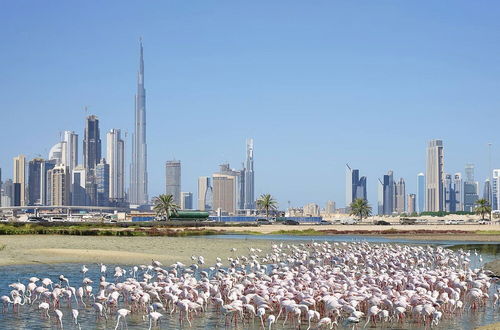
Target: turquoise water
<point x="29" y="317"/>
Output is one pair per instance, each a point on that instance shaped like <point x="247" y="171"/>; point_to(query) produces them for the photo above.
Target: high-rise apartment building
<point x="420" y="192"/>
<point x="434" y="176"/>
<point x="239" y="181"/>
<point x="102" y="183"/>
<point x="412" y="203"/>
<point x="60" y="185"/>
<point x="69" y="150"/>
<point x="186" y="200"/>
<point x="249" y="179"/>
<point x="224" y="191"/>
<point x="495" y="205"/>
<point x="116" y="160"/>
<point x="204" y="193"/>
<point x="173" y="180"/>
<point x="471" y="189"/>
<point x="400" y="196"/>
<point x="20" y="178"/>
<point x="139" y="167"/>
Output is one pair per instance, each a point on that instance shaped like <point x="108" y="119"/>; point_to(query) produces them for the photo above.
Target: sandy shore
<point x="266" y="229"/>
<point x="442" y="232"/>
<point x="32" y="249"/>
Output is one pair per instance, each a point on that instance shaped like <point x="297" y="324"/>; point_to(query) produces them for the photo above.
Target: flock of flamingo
<point x="315" y="285"/>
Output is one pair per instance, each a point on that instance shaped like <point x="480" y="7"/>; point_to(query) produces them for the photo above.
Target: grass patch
<point x="488" y="232"/>
<point x="305" y="232"/>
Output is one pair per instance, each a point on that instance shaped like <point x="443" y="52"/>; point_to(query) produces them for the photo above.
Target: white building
<point x="434" y="176"/>
<point x="69" y="149"/>
<point x="116" y="160"/>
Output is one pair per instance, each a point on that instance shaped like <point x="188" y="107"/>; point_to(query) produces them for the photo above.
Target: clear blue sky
<point x="315" y="83"/>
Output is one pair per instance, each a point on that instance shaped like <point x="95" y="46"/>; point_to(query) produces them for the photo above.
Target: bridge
<point x="67" y="208"/>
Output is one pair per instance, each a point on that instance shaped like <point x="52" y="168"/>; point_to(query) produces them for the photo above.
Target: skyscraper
<point x="20" y="178"/>
<point x="434" y="176"/>
<point x="400" y="196"/>
<point x="204" y="193"/>
<point x="60" y="185"/>
<point x="380" y="197"/>
<point x="420" y="192"/>
<point x="388" y="193"/>
<point x="449" y="194"/>
<point x="116" y="161"/>
<point x="139" y="167"/>
<point x="239" y="181"/>
<point x="349" y="179"/>
<point x="224" y="192"/>
<point x="495" y="190"/>
<point x="102" y="183"/>
<point x="412" y="203"/>
<point x="173" y="180"/>
<point x="186" y="200"/>
<point x="355" y="186"/>
<point x="249" y="178"/>
<point x="78" y="185"/>
<point x="458" y="187"/>
<point x="45" y="184"/>
<point x="471" y="189"/>
<point x="35" y="181"/>
<point x="91" y="143"/>
<point x="70" y="149"/>
<point x="487" y="191"/>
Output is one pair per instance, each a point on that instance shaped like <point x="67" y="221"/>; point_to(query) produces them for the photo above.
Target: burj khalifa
<point x="138" y="193"/>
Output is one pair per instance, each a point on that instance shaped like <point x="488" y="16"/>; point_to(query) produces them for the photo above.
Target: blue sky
<point x="317" y="84"/>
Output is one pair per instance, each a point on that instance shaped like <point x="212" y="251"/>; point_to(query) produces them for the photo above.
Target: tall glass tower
<point x="249" y="178"/>
<point x="139" y="167"/>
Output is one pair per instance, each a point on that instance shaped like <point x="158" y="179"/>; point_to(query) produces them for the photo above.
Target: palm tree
<point x="360" y="208"/>
<point x="267" y="202"/>
<point x="483" y="207"/>
<point x="165" y="206"/>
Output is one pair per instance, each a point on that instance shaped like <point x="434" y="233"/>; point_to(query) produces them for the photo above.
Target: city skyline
<point x="224" y="91"/>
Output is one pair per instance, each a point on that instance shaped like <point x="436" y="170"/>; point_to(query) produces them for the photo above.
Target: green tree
<point x="483" y="207"/>
<point x="164" y="206"/>
<point x="360" y="208"/>
<point x="268" y="203"/>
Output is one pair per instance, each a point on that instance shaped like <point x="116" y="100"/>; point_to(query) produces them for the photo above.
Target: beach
<point x="33" y="249"/>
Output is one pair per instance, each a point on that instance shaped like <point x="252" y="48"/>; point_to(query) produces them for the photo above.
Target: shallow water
<point x="30" y="317"/>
